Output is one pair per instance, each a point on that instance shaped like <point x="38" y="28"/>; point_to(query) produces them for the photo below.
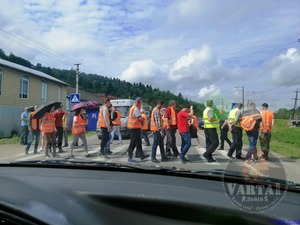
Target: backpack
<point x="248" y="121"/>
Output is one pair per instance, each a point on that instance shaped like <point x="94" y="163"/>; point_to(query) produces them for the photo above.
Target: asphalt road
<point x="15" y="152"/>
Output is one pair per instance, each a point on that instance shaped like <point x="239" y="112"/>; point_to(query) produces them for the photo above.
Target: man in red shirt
<point x="58" y="115"/>
<point x="183" y="128"/>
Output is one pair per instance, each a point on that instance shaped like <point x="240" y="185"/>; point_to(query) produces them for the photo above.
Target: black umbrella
<point x="43" y="109"/>
<point x="30" y="108"/>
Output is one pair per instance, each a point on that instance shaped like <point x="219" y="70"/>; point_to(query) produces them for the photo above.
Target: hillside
<point x="110" y="86"/>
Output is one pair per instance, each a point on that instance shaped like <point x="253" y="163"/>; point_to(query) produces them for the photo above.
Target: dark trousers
<point x="104" y="139"/>
<point x="24" y="135"/>
<point x="50" y="142"/>
<point x="224" y="137"/>
<point x="212" y="140"/>
<point x="135" y="142"/>
<point x="145" y="136"/>
<point x="158" y="141"/>
<point x="59" y="136"/>
<point x="237" y="142"/>
<point x="171" y="141"/>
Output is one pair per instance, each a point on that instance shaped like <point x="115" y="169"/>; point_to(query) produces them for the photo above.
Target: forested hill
<point x="110" y="86"/>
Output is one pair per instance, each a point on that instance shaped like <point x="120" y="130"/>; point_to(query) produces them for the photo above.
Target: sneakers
<point x="209" y="158"/>
<point x="144" y="157"/>
<point x="103" y="156"/>
<point x="230" y="156"/>
<point x="165" y="159"/>
<point x="220" y="148"/>
<point x="184" y="160"/>
<point x="239" y="157"/>
<point x="131" y="160"/>
<point x="154" y="160"/>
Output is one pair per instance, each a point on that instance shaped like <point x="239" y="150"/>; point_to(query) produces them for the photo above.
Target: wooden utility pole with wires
<point x="294" y="119"/>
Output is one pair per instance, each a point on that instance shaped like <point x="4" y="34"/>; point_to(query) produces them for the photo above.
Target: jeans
<point x="158" y="141"/>
<point x="116" y="131"/>
<point x="32" y="134"/>
<point x="104" y="140"/>
<point x="185" y="143"/>
<point x="59" y="135"/>
<point x="66" y="136"/>
<point x="252" y="138"/>
<point x="75" y="140"/>
<point x="211" y="139"/>
<point x="24" y="135"/>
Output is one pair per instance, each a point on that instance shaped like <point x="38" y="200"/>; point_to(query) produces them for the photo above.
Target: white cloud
<point x="212" y="90"/>
<point x="146" y="71"/>
<point x="285" y="68"/>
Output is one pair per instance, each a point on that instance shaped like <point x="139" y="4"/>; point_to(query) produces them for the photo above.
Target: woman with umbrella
<point x="78" y="128"/>
<point x="49" y="130"/>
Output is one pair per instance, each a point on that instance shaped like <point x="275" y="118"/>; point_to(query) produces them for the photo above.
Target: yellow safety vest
<point x="207" y="123"/>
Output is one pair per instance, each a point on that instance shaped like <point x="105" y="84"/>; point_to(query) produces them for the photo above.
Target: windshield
<point x="124" y="110"/>
<point x="219" y="82"/>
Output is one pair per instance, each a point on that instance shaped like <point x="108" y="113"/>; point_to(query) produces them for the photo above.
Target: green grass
<point x="13" y="140"/>
<point x="285" y="140"/>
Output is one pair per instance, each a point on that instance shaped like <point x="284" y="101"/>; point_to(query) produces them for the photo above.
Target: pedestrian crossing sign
<point x="74" y="98"/>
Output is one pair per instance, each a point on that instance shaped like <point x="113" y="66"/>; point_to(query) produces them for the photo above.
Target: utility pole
<point x="77" y="76"/>
<point x="295" y="104"/>
<point x="243" y="95"/>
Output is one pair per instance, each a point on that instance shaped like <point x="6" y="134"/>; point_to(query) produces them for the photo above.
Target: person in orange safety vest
<point x="78" y="131"/>
<point x="265" y="130"/>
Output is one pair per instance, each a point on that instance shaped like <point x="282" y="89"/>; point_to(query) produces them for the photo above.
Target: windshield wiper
<point x="78" y="162"/>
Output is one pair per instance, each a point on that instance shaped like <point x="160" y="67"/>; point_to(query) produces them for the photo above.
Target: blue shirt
<point x="24" y="115"/>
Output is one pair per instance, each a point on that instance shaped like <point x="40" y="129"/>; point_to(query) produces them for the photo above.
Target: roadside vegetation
<point x="285" y="139"/>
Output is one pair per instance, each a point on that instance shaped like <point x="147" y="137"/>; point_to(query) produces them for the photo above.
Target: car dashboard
<point x="82" y="195"/>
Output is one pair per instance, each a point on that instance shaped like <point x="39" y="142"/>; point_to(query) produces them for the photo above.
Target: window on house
<point x="1" y="80"/>
<point x="24" y="87"/>
<point x="44" y="91"/>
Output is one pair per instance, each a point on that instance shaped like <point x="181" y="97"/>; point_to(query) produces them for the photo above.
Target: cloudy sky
<point x="201" y="48"/>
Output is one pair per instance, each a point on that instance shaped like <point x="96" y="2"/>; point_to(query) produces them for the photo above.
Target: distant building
<point x="21" y="87"/>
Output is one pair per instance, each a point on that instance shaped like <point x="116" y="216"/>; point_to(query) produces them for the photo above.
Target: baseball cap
<point x="209" y="102"/>
<point x="138" y="99"/>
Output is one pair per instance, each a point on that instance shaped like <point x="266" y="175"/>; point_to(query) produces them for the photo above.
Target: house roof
<point x="86" y="96"/>
<point x="30" y="71"/>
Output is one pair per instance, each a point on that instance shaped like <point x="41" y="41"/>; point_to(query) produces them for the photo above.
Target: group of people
<point x="164" y="122"/>
<point x="51" y="129"/>
<point x="257" y="125"/>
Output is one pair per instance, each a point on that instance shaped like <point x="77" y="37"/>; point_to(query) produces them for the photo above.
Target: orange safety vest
<point x="267" y="119"/>
<point x="80" y="125"/>
<point x="34" y="122"/>
<point x="48" y="126"/>
<point x="133" y="123"/>
<point x="145" y="122"/>
<point x="172" y="120"/>
<point x="248" y="122"/>
<point x="196" y="123"/>
<point x="117" y="121"/>
<point x="153" y="126"/>
<point x="101" y="121"/>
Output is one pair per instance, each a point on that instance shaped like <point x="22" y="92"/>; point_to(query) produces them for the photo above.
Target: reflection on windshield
<point x="123" y="110"/>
